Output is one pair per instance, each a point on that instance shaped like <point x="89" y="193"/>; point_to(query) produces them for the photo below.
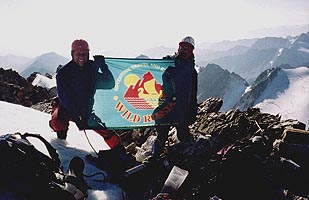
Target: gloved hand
<point x="168" y="57"/>
<point x="96" y="122"/>
<point x="81" y="122"/>
<point x="99" y="58"/>
<point x="100" y="61"/>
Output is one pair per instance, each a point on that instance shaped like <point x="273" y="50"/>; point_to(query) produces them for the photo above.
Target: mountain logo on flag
<point x="144" y="93"/>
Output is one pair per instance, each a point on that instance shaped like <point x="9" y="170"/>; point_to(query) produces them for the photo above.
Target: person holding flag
<point x="77" y="82"/>
<point x="179" y="107"/>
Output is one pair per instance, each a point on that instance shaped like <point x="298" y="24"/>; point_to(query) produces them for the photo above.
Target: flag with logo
<point x="136" y="94"/>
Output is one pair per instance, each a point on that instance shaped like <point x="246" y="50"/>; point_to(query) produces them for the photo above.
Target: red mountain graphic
<point x="145" y="93"/>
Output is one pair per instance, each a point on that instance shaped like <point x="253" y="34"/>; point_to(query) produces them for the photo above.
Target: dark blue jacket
<point x="180" y="89"/>
<point x="76" y="86"/>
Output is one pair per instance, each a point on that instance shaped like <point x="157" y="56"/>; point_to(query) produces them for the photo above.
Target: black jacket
<point x="179" y="102"/>
<point x="76" y="86"/>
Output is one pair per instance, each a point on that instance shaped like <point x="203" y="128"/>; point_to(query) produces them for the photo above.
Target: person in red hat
<point x="75" y="88"/>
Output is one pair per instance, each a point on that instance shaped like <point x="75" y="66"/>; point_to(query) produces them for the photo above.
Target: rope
<point x="90" y="143"/>
<point x="105" y="178"/>
<point x="97" y="180"/>
<point x="95" y="174"/>
<point x="98" y="173"/>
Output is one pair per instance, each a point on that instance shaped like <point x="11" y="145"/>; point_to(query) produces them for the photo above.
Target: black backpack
<point x="27" y="173"/>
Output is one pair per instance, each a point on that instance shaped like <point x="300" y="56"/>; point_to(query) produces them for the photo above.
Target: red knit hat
<point x="79" y="45"/>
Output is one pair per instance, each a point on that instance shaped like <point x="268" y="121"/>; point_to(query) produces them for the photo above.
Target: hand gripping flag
<point x="142" y="96"/>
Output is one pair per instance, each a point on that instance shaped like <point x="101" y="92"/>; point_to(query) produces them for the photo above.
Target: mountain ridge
<point x="214" y="81"/>
<point x="45" y="63"/>
<point x="266" y="53"/>
<point x="280" y="91"/>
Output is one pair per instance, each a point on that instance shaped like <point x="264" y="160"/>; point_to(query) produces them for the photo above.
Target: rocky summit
<point x="233" y="155"/>
<point x="18" y="90"/>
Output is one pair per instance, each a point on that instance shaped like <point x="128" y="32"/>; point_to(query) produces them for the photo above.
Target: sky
<point x="124" y="28"/>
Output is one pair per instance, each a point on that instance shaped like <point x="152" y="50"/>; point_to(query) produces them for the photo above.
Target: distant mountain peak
<point x="142" y="56"/>
<point x="214" y="81"/>
<point x="45" y="63"/>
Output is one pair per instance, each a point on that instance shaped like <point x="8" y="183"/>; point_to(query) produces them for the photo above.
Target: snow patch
<point x="44" y="81"/>
<point x="303" y="49"/>
<point x="22" y="119"/>
<point x="291" y="100"/>
<point x="248" y="89"/>
<point x="292" y="41"/>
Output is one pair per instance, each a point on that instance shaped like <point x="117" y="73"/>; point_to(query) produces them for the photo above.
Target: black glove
<point x="81" y="122"/>
<point x="100" y="61"/>
<point x="168" y="57"/>
<point x="96" y="122"/>
<point x="99" y="58"/>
